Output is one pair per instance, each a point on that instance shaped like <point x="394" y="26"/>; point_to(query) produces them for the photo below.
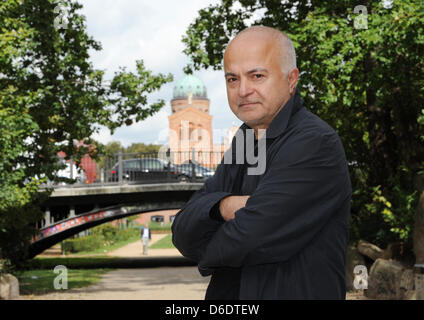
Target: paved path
<point x="135" y="249"/>
<point x="163" y="283"/>
<point x="152" y="283"/>
<point x="149" y="283"/>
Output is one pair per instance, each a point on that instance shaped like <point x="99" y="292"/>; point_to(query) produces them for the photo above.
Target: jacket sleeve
<point x="305" y="184"/>
<point x="193" y="226"/>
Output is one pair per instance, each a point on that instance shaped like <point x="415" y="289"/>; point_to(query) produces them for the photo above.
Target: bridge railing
<point x="138" y="168"/>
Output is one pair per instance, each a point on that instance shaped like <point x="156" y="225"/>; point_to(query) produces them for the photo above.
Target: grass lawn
<point x="42" y="281"/>
<point x="158" y="226"/>
<point x="164" y="243"/>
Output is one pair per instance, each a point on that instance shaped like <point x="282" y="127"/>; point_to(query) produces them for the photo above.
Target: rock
<point x="370" y="250"/>
<point x="417" y="293"/>
<point x="392" y="280"/>
<point x="4" y="288"/>
<point x="419" y="286"/>
<point x="9" y="287"/>
<point x="385" y="279"/>
<point x="14" y="287"/>
<point x="353" y="258"/>
<point x="407" y="284"/>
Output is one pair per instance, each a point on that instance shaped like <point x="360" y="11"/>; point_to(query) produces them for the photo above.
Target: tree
<point x="112" y="148"/>
<point x="144" y="148"/>
<point x="363" y="74"/>
<point x="51" y="97"/>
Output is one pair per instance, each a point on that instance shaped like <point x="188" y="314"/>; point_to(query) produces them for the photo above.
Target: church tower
<point x="190" y="124"/>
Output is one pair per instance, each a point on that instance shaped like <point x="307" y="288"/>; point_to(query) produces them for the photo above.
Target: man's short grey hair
<point x="288" y="53"/>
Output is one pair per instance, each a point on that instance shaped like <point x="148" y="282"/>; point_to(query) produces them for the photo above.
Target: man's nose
<point x="245" y="88"/>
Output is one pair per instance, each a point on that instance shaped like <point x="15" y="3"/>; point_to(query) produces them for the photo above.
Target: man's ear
<point x="293" y="77"/>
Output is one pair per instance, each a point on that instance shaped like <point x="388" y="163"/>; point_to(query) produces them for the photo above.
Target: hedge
<point x="102" y="236"/>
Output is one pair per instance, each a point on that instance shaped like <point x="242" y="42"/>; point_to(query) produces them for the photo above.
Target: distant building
<point x="190" y="125"/>
<point x="89" y="170"/>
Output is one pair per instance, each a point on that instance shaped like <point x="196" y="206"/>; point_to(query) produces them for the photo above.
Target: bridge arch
<point x="61" y="230"/>
<point x="127" y="200"/>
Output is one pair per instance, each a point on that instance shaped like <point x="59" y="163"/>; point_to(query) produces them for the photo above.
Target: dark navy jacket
<point x="289" y="241"/>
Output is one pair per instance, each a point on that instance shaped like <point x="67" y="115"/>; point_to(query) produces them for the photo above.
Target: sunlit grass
<point x="164" y="243"/>
<point x="42" y="281"/>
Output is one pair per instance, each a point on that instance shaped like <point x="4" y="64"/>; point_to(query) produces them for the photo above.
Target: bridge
<point x="70" y="210"/>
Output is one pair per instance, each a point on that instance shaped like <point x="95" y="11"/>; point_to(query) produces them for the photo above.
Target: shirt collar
<point x="279" y="123"/>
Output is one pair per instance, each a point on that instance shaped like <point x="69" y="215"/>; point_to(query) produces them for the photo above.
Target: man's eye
<point x="231" y="79"/>
<point x="258" y="76"/>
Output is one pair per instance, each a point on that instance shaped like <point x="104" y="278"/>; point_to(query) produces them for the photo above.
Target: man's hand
<point x="229" y="205"/>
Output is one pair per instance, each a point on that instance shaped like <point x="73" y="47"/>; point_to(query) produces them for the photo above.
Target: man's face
<point x="256" y="86"/>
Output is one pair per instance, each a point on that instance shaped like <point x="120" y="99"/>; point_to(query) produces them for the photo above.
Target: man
<point x="281" y="234"/>
<point x="145" y="238"/>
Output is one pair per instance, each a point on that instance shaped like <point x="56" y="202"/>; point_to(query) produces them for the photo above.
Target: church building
<point x="190" y="125"/>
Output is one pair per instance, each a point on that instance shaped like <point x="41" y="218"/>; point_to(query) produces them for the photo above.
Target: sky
<point x="151" y="31"/>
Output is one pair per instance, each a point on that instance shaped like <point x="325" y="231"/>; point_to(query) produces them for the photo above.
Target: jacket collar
<point x="280" y="122"/>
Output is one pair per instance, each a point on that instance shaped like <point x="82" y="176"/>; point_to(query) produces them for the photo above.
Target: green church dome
<point x="190" y="84"/>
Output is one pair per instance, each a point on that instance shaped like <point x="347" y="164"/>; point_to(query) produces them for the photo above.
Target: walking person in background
<point x="145" y="238"/>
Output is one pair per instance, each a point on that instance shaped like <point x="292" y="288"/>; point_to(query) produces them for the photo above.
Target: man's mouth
<point x="246" y="104"/>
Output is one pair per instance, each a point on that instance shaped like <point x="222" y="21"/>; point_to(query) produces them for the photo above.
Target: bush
<point x="102" y="236"/>
<point x="158" y="226"/>
<point x="107" y="231"/>
<point x="87" y="243"/>
<point x="126" y="234"/>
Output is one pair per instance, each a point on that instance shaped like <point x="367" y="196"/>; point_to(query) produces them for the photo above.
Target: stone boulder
<point x="392" y="280"/>
<point x="417" y="291"/>
<point x="370" y="250"/>
<point x="9" y="287"/>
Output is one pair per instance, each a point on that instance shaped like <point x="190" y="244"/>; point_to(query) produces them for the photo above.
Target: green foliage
<point x="143" y="148"/>
<point x="157" y="226"/>
<point x="50" y="97"/>
<point x="368" y="84"/>
<point x="112" y="148"/>
<point x="106" y="231"/>
<point x="420" y="120"/>
<point x="102" y="237"/>
<point x="108" y="154"/>
<point x="88" y="243"/>
<point x="164" y="243"/>
<point x="42" y="281"/>
<point x="127" y="234"/>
